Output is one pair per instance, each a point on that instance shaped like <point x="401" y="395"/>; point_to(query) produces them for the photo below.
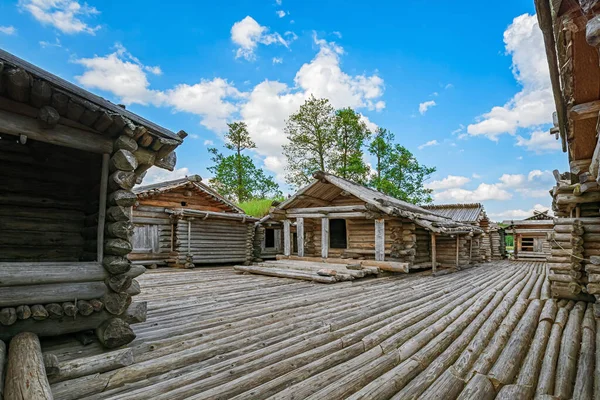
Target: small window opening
<point x="184" y="203"/>
<point x="337" y="234"/>
<point x="269" y="238"/>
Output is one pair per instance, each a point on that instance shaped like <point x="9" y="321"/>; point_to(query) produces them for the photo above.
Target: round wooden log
<point x="8" y="316"/>
<point x="2" y="361"/>
<point x="116" y="303"/>
<point x="168" y="162"/>
<point x="125" y="143"/>
<point x="60" y="102"/>
<point x="584" y="381"/>
<point x="84" y="307"/>
<point x="592" y="32"/>
<point x="134" y="289"/>
<point x="23" y="312"/>
<point x="55" y="311"/>
<point x="566" y="367"/>
<point x="115" y="333"/>
<point x="41" y="93"/>
<point x="25" y="374"/>
<point x="123" y="160"/>
<point x="97" y="305"/>
<point x="145" y="157"/>
<point x="51" y="364"/>
<point x="121" y="229"/>
<point x="18" y="84"/>
<point x="117" y="247"/>
<point x="119" y="283"/>
<point x="48" y="117"/>
<point x="121" y="180"/>
<point x="103" y="122"/>
<point x="118" y="213"/>
<point x="75" y="108"/>
<point x="92" y="365"/>
<point x="117" y="125"/>
<point x="122" y="198"/>
<point x="69" y="308"/>
<point x="116" y="265"/>
<point x="479" y="387"/>
<point x="38" y="312"/>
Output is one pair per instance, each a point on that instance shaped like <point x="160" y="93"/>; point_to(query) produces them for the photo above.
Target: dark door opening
<point x="294" y="242"/>
<point x="269" y="238"/>
<point x="337" y="234"/>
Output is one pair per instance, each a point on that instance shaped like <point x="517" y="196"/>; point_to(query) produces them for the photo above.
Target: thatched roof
<point x="377" y="201"/>
<point x="192" y="181"/>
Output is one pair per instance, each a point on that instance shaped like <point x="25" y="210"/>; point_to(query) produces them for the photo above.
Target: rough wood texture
<point x="25" y="374"/>
<point x="114" y="333"/>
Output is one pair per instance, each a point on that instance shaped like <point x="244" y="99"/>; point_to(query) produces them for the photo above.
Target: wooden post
<point x="471" y="251"/>
<point x="102" y="208"/>
<point x="379" y="240"/>
<point x="189" y="236"/>
<point x="457" y="246"/>
<point x="515" y="244"/>
<point x="324" y="237"/>
<point x="286" y="238"/>
<point x="300" y="236"/>
<point x="433" y="255"/>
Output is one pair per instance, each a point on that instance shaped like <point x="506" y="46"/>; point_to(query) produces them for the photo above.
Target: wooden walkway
<point x="485" y="332"/>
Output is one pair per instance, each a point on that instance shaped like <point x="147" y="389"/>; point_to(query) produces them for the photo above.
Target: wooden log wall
<point x="155" y="218"/>
<point x="46" y="192"/>
<point x="423" y="246"/>
<point x="498" y="244"/>
<point x="213" y="241"/>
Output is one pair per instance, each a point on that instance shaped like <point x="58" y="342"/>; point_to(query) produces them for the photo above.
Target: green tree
<point x="351" y="134"/>
<point x="312" y="141"/>
<point x="397" y="171"/>
<point x="236" y="176"/>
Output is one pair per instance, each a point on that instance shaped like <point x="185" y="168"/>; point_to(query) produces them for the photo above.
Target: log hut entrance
<point x="48" y="192"/>
<point x="337" y="234"/>
<point x="269" y="238"/>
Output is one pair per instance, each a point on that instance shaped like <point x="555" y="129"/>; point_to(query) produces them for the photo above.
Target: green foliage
<point x="397" y="171"/>
<point x="312" y="141"/>
<point x="257" y="207"/>
<point x="235" y="176"/>
<point x="351" y="134"/>
<point x="509" y="240"/>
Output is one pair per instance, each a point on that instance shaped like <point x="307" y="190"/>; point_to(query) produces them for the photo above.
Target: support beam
<point x="300" y="236"/>
<point x="287" y="248"/>
<point x="433" y="255"/>
<point x="61" y="135"/>
<point x="324" y="237"/>
<point x="379" y="240"/>
<point x="102" y="207"/>
<point x="457" y="246"/>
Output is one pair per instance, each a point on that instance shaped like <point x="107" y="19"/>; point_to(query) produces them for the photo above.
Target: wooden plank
<point x="341" y="215"/>
<point x="379" y="239"/>
<point x="300" y="236"/>
<point x="324" y="237"/>
<point x="457" y="247"/>
<point x="15" y="124"/>
<point x="287" y="248"/>
<point x="102" y="207"/>
<point x="51" y="293"/>
<point x="330" y="209"/>
<point x="585" y="110"/>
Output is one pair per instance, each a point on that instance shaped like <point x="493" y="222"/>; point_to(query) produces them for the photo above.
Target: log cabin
<point x="68" y="162"/>
<point x="571" y="31"/>
<point x="184" y="223"/>
<point x="473" y="214"/>
<point x="530" y="236"/>
<point x="335" y="218"/>
<point x="268" y="239"/>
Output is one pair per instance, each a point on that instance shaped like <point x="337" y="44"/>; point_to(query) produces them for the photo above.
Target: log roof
<point x="484" y="332"/>
<point x="192" y="181"/>
<point x="470" y="213"/>
<point x="84" y="97"/>
<point x="327" y="187"/>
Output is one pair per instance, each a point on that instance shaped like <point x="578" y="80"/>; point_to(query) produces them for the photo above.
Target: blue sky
<point x="467" y="94"/>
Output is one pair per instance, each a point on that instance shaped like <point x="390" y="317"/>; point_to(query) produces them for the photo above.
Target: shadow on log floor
<point x="487" y="332"/>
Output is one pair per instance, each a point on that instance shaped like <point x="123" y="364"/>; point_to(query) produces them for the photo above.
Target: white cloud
<point x="278" y="2"/>
<point x="277" y="60"/>
<point x="519" y="213"/>
<point x="430" y="143"/>
<point x="448" y="86"/>
<point x="534" y="104"/>
<point x="423" y="107"/>
<point x="483" y="192"/>
<point x="64" y="15"/>
<point x="45" y="44"/>
<point x="8" y="30"/>
<point x="539" y="142"/>
<point x="209" y="143"/>
<point x="476" y="176"/>
<point x="451" y="181"/>
<point x="512" y="181"/>
<point x="337" y="33"/>
<point x="248" y="34"/>
<point x="156" y="175"/>
<point x="281" y="13"/>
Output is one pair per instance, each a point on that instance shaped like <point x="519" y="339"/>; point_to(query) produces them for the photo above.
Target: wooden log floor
<point x="486" y="332"/>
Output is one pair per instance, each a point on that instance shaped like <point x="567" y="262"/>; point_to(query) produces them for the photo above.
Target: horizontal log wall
<point x="213" y="241"/>
<point x="423" y="246"/>
<point x="46" y="193"/>
<point x="155" y="216"/>
<point x="190" y="198"/>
